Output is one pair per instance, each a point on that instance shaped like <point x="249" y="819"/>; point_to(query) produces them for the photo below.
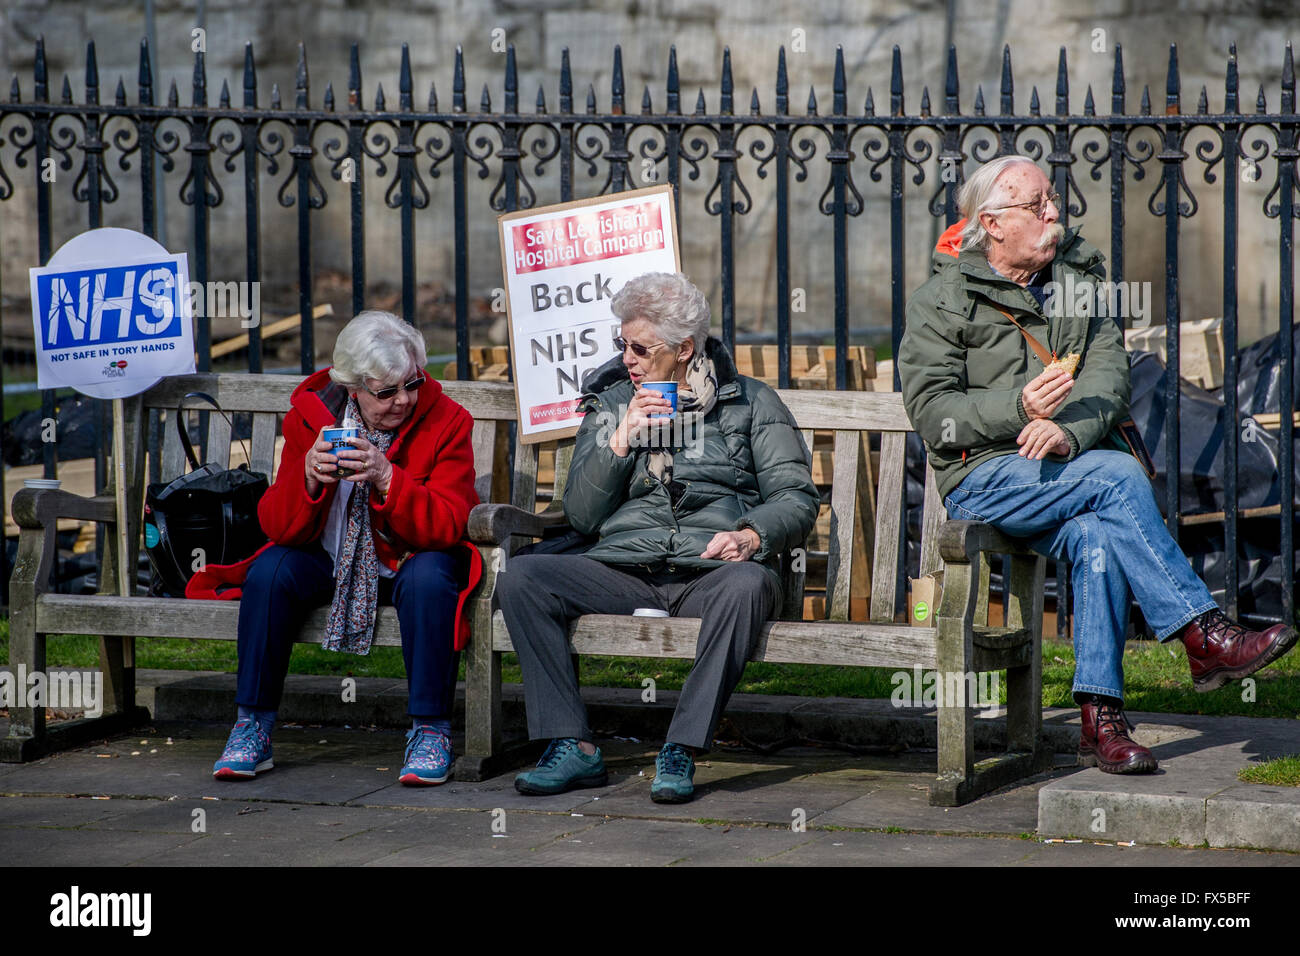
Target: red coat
<point x="428" y="503"/>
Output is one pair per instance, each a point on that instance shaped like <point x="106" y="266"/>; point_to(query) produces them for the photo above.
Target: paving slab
<point x="631" y="842"/>
<point x="1195" y="798"/>
<point x="742" y="789"/>
<point x="43" y="846"/>
<point x="65" y="813"/>
<point x="450" y="838"/>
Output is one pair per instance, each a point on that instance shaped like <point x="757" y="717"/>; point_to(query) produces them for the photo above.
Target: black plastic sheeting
<point x="74" y="433"/>
<point x="1201" y="426"/>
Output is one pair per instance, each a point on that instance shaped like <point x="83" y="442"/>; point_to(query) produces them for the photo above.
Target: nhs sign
<point x="101" y="320"/>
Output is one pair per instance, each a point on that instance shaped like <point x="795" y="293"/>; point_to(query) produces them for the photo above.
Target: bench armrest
<point x="40" y="507"/>
<point x="495" y="523"/>
<point x="960" y="541"/>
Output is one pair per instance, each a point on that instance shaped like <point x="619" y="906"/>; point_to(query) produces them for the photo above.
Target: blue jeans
<point x="1099" y="513"/>
<point x="284" y="584"/>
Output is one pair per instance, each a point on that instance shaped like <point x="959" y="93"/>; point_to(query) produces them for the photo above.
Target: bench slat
<point x="218" y="440"/>
<point x="483" y="440"/>
<point x="827" y="410"/>
<point x="173" y="456"/>
<point x="174" y="617"/>
<point x="563" y="459"/>
<point x="524" y="494"/>
<point x="933" y="517"/>
<point x="889" y="512"/>
<point x="263" y="447"/>
<point x="780" y="642"/>
<point x="246" y="392"/>
<point x="844" y="520"/>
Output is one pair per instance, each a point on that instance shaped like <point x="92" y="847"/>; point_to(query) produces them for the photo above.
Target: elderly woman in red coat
<point x="352" y="527"/>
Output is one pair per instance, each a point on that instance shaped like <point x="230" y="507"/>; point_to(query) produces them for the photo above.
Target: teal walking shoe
<point x="563" y="767"/>
<point x="674" y="775"/>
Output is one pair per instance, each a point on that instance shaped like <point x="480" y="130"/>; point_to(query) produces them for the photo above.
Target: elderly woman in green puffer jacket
<point x="692" y="516"/>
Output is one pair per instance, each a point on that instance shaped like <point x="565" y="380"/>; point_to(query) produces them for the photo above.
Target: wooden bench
<point x="959" y="642"/>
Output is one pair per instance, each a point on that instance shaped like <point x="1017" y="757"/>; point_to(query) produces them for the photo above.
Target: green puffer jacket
<point x="749" y="468"/>
<point x="963" y="365"/>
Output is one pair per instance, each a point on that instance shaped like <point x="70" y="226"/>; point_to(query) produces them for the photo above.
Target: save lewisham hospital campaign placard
<point x="562" y="265"/>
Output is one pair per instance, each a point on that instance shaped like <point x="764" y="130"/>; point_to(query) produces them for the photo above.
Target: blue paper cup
<point x="668" y="390"/>
<point x="340" y="437"/>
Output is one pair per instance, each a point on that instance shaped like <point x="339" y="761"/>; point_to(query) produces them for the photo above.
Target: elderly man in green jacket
<point x="692" y="513"/>
<point x="1019" y="396"/>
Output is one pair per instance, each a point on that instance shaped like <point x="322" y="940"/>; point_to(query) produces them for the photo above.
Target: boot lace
<point x="1113" y="719"/>
<point x="1213" y="620"/>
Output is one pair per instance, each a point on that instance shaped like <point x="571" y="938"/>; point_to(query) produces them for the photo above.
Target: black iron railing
<point x="284" y="151"/>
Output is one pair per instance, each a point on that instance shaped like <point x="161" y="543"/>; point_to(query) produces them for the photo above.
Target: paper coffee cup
<point x="668" y="390"/>
<point x="340" y="437"/>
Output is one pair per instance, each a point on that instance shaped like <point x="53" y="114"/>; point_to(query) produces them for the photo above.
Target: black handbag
<point x="207" y="516"/>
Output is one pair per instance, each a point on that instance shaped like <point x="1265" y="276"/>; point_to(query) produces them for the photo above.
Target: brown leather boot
<point x="1104" y="742"/>
<point x="1220" y="650"/>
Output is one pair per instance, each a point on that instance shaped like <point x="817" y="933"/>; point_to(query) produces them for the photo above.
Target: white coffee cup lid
<point x="649" y="612"/>
<point x="42" y="482"/>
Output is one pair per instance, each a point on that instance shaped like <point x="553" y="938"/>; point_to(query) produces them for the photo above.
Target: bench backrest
<point x="863" y="507"/>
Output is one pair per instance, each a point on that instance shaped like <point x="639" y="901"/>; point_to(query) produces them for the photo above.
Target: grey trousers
<point x="540" y="594"/>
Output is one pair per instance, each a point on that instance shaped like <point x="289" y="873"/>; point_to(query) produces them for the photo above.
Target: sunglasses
<point x="384" y="394"/>
<point x="640" y="351"/>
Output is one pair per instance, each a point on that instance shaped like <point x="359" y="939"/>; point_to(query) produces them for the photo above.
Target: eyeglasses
<point x="1038" y="206"/>
<point x="384" y="394"/>
<point x="640" y="351"/>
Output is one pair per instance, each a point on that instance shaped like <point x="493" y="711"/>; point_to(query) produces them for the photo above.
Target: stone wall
<point x="700" y="29"/>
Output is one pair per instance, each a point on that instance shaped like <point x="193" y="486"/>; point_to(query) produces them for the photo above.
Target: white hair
<point x="377" y="345"/>
<point x="980" y="194"/>
<point x="669" y="302"/>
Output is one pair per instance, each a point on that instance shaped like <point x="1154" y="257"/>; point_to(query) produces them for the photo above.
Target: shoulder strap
<point x="1047" y="358"/>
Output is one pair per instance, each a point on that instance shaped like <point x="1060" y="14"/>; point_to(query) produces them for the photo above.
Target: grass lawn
<point x="1282" y="772"/>
<point x="1156" y="675"/>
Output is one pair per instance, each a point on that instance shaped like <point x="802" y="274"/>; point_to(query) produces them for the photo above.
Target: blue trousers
<point x="1099" y="513"/>
<point x="284" y="584"/>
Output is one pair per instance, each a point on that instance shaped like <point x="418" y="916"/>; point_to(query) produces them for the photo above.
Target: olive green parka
<point x="747" y="468"/>
<point x="963" y="365"/>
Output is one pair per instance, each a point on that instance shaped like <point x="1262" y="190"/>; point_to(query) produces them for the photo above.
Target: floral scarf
<point x="351" y="623"/>
<point x="695" y="399"/>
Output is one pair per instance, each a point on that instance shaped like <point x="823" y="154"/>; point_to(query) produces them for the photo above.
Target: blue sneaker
<point x="563" y="767"/>
<point x="428" y="757"/>
<point x="247" y="753"/>
<point x="674" y="775"/>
